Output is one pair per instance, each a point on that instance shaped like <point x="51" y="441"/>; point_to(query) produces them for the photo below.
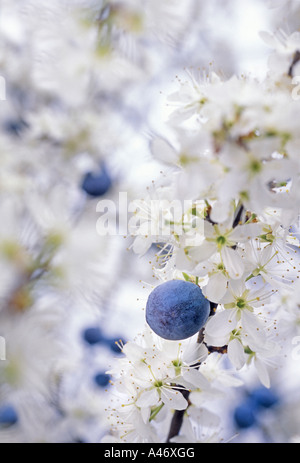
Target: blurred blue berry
<point x="264" y="397"/>
<point x="244" y="415"/>
<point x="8" y="415"/>
<point x="177" y="310"/>
<point x="93" y="335"/>
<point x="102" y="380"/>
<point x="97" y="184"/>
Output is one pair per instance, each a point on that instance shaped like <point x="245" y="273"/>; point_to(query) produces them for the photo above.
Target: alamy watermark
<point x="156" y="218"/>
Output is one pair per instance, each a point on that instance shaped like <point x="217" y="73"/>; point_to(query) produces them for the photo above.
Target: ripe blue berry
<point x="264" y="397"/>
<point x="97" y="184"/>
<point x="177" y="310"/>
<point x="93" y="335"/>
<point x="8" y="415"/>
<point x="102" y="380"/>
<point x="244" y="415"/>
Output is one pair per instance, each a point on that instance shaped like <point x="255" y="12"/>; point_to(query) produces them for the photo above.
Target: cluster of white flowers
<point x="156" y="377"/>
<point x="231" y="160"/>
<point x="72" y="76"/>
<point x="81" y="93"/>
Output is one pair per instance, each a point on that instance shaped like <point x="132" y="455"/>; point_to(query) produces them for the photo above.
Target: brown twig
<point x="296" y="60"/>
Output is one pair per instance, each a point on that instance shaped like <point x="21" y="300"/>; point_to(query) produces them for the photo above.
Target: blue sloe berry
<point x="177" y="310"/>
<point x="97" y="184"/>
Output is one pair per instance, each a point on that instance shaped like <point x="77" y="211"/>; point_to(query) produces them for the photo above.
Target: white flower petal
<point x="148" y="398"/>
<point x="236" y="354"/>
<point x="246" y="232"/>
<point x="194" y="353"/>
<point x="163" y="151"/>
<point x="133" y="351"/>
<point x="254" y="329"/>
<point x="204" y="417"/>
<point x="199" y="398"/>
<point x="233" y="263"/>
<point x="184" y="262"/>
<point x="173" y="399"/>
<point x="220" y="211"/>
<point x="141" y="245"/>
<point x="145" y="413"/>
<point x="196" y="378"/>
<point x="262" y="372"/>
<point x="222" y="323"/>
<point x="203" y="252"/>
<point x="268" y="38"/>
<point x="216" y="287"/>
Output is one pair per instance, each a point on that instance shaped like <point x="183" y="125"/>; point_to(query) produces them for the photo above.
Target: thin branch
<point x="296" y="60"/>
<point x="238" y="217"/>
